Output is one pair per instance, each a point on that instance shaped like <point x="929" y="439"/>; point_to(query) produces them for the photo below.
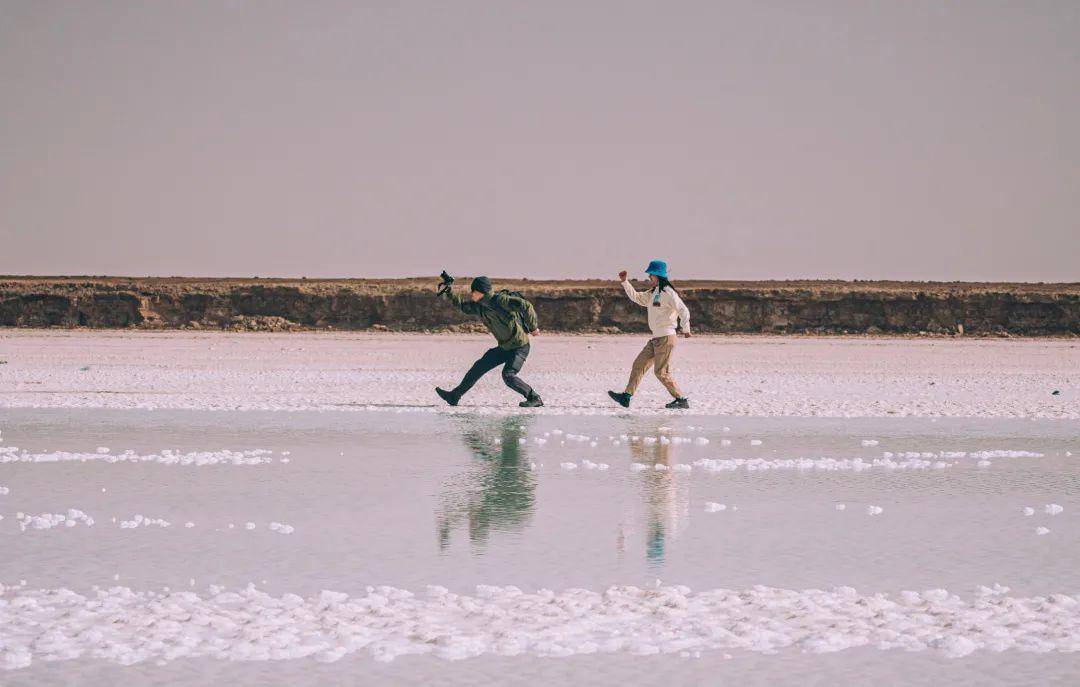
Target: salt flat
<point x="862" y="510"/>
<point x="741" y="376"/>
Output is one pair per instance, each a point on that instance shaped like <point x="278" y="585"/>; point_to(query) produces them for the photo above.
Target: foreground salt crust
<point x="12" y="454"/>
<point x="125" y="626"/>
<point x="836" y="464"/>
<point x="73" y="517"/>
<point x="46" y="521"/>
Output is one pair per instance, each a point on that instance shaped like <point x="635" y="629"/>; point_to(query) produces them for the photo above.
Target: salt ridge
<point x="46" y="521"/>
<point x="387" y="623"/>
<point x="73" y="516"/>
<point x="856" y="464"/>
<point x="12" y="454"/>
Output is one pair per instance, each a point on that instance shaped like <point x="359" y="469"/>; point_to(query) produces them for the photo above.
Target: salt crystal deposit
<point x="832" y="464"/>
<point x="391" y="486"/>
<point x="983" y="457"/>
<point x="351" y="374"/>
<point x="12" y="454"/>
<point x="141" y="521"/>
<point x="387" y="623"/>
<point x="46" y="521"/>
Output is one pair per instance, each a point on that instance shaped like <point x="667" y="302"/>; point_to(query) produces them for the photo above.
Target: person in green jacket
<point x="510" y="319"/>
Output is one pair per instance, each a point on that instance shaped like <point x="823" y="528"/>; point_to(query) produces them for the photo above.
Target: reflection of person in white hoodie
<point x="668" y="317"/>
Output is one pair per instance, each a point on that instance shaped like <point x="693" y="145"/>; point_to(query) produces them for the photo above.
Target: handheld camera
<point x="445" y="284"/>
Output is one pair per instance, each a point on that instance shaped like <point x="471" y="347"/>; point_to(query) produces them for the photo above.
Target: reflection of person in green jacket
<point x="500" y="492"/>
<point x="511" y="319"/>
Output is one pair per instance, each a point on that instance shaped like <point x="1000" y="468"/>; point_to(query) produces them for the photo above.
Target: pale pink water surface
<point x="752" y="541"/>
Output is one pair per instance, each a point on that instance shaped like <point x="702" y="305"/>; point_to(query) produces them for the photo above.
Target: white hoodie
<point x="667" y="312"/>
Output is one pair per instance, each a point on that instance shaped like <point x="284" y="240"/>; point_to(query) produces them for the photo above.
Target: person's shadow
<point x="498" y="492"/>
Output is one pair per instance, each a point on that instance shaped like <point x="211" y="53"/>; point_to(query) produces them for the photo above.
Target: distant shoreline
<point x="819" y="307"/>
<point x="430" y="281"/>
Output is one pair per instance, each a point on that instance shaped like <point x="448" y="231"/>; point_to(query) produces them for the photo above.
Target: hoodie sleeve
<point x="641" y="298"/>
<point x="466" y="305"/>
<point x="680" y="307"/>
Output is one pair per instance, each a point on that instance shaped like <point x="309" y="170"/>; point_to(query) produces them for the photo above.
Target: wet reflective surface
<point x="411" y="500"/>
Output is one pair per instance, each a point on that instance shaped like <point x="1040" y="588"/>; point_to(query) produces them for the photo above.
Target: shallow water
<point x="410" y="500"/>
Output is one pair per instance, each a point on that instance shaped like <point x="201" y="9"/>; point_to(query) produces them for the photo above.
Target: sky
<point x="554" y="139"/>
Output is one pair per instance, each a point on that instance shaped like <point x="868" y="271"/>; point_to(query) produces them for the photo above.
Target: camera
<point x="445" y="284"/>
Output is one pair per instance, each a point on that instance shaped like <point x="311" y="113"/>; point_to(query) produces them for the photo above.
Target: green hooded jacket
<point x="511" y="332"/>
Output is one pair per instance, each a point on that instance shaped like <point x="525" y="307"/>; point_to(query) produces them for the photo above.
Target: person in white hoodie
<point x="668" y="317"/>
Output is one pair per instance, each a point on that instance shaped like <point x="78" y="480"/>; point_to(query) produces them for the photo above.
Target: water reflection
<point x="665" y="496"/>
<point x="498" y="492"/>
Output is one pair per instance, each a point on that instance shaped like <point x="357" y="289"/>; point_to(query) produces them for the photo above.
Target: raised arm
<point x="641" y="298"/>
<point x="466" y="305"/>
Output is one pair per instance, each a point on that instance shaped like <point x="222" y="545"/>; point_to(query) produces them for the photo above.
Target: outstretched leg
<point x="491" y="359"/>
<point x="642" y="363"/>
<point x="665" y="348"/>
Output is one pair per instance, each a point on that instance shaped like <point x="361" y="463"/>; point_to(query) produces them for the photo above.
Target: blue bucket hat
<point x="657" y="267"/>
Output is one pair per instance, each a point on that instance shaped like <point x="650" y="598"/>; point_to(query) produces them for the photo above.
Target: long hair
<point x="663" y="283"/>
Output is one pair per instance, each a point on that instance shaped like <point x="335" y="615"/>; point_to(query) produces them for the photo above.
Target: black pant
<point x="511" y="361"/>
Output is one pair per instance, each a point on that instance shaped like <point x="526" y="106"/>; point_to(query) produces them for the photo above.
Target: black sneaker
<point x="448" y="396"/>
<point x="679" y="403"/>
<point x="531" y="402"/>
<point x="622" y="399"/>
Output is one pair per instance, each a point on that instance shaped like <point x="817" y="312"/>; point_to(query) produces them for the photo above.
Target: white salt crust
<point x="123" y="626"/>
<point x="12" y="454"/>
<point x="745" y="376"/>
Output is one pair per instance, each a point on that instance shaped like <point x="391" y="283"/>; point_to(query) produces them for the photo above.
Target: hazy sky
<point x="909" y="140"/>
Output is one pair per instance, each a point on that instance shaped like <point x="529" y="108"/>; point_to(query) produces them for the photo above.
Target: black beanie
<point x="481" y="284"/>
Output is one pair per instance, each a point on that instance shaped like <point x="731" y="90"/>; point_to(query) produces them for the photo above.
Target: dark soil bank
<point x="570" y="306"/>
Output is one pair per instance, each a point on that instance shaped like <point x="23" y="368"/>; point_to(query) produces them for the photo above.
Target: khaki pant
<point x="656" y="354"/>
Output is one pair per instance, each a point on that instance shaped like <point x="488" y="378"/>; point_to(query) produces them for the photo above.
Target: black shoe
<point x="679" y="403"/>
<point x="448" y="396"/>
<point x="622" y="399"/>
<point x="531" y="402"/>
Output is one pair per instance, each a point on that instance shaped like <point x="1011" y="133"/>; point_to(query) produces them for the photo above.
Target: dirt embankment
<point x="570" y="306"/>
